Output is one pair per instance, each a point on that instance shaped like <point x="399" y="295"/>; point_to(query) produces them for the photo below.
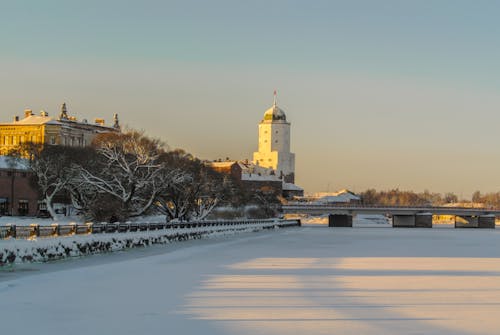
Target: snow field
<point x="309" y="280"/>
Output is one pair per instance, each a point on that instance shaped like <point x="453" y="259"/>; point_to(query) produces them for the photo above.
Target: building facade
<point x="252" y="177"/>
<point x="274" y="144"/>
<point x="17" y="194"/>
<point x="45" y="130"/>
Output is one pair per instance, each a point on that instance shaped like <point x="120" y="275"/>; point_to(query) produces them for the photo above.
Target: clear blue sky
<point x="380" y="93"/>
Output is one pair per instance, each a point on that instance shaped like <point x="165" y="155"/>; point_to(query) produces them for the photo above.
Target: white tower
<point x="274" y="144"/>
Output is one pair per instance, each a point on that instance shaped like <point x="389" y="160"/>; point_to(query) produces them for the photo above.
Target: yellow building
<point x="43" y="129"/>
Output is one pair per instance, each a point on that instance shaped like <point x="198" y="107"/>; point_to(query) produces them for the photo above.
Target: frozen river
<point x="309" y="280"/>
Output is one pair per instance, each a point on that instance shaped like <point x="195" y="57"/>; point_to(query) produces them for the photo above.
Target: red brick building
<point x="17" y="195"/>
<point x="257" y="178"/>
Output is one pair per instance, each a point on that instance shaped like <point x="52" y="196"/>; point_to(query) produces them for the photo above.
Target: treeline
<point x="128" y="174"/>
<point x="398" y="197"/>
<point x="491" y="200"/>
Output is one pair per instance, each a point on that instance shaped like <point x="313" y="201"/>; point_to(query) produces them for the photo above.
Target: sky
<point x="380" y="94"/>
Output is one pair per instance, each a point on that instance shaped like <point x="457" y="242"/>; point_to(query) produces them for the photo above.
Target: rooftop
<point x="7" y="162"/>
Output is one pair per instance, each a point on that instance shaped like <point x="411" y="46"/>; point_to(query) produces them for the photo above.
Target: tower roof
<point x="274" y="113"/>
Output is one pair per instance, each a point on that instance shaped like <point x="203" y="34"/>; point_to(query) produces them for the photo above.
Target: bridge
<point x="402" y="216"/>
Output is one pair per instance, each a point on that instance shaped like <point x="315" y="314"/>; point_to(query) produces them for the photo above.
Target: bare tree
<point x="128" y="168"/>
<point x="194" y="196"/>
<point x="51" y="169"/>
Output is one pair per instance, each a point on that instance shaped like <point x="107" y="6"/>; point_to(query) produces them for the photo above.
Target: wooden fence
<point x="37" y="231"/>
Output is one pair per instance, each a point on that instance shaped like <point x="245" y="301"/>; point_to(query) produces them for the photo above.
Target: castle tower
<point x="274" y="144"/>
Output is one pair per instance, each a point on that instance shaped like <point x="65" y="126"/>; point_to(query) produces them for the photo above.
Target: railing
<point x="377" y="208"/>
<point x="354" y="205"/>
<point x="55" y="230"/>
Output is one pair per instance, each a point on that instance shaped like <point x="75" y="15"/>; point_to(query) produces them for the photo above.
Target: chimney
<point x="27" y="113"/>
<point x="99" y="122"/>
<point x="44" y="113"/>
<point x="16" y="118"/>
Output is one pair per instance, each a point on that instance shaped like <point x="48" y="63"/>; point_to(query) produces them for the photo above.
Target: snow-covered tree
<point x="51" y="168"/>
<point x="128" y="168"/>
<point x="196" y="195"/>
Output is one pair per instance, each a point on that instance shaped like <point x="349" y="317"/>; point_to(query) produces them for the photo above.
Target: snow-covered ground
<point x="308" y="280"/>
<point x="43" y="249"/>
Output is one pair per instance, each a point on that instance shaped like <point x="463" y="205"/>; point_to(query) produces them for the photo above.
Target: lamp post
<point x="12" y="177"/>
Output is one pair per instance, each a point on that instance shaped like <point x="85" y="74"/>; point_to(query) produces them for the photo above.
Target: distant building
<point x="251" y="177"/>
<point x="255" y="177"/>
<point x="46" y="130"/>
<point x="331" y="198"/>
<point x="291" y="191"/>
<point x="273" y="166"/>
<point x="274" y="144"/>
<point x="17" y="194"/>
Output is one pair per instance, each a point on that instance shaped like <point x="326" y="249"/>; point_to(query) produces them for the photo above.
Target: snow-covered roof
<point x="7" y="162"/>
<point x="225" y="164"/>
<point x="45" y="119"/>
<point x="343" y="193"/>
<point x="291" y="187"/>
<point x="257" y="177"/>
<point x="249" y="171"/>
<point x="33" y="120"/>
<point x="250" y="168"/>
<point x="342" y="196"/>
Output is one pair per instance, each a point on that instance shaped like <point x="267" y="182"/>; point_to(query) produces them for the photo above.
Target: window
<point x="4" y="206"/>
<point x="42" y="205"/>
<point x="52" y="140"/>
<point x="23" y="208"/>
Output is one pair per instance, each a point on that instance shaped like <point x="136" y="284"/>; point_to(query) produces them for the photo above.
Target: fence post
<point x="56" y="229"/>
<point x="13" y="232"/>
<point x="34" y="230"/>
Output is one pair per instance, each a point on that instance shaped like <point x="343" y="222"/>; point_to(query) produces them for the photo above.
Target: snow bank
<point x="46" y="249"/>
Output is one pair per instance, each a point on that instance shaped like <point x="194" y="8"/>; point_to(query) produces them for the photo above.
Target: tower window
<point x="276" y="141"/>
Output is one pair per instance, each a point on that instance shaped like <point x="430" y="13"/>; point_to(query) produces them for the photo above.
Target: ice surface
<point x="309" y="280"/>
